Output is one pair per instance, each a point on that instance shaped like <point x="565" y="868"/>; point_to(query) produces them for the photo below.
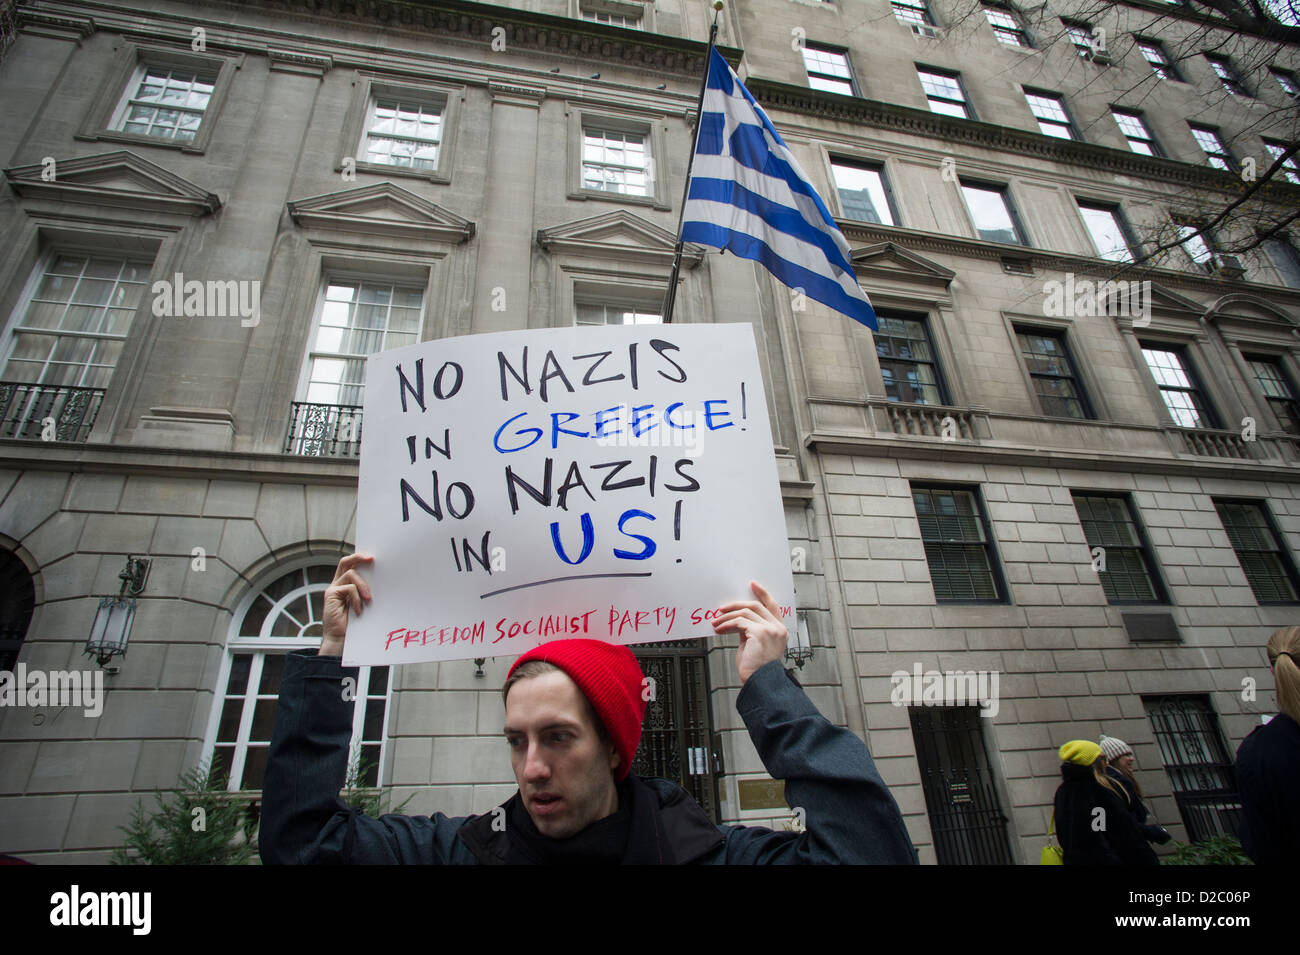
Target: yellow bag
<point x="1052" y="854"/>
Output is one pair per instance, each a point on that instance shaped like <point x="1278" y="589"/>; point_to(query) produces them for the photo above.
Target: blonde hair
<point x="1286" y="669"/>
<point x="1099" y="773"/>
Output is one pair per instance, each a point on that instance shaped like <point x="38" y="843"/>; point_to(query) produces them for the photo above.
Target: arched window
<point x="17" y="601"/>
<point x="284" y="615"/>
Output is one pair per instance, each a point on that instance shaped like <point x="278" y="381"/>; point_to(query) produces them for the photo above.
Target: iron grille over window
<point x="1124" y="564"/>
<point x="1199" y="766"/>
<point x="1268" y="567"/>
<point x="958" y="545"/>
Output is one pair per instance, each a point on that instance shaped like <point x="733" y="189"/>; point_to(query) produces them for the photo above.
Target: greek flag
<point x="748" y="194"/>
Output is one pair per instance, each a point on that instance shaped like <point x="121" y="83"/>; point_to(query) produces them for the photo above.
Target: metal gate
<point x="677" y="734"/>
<point x="965" y="814"/>
<point x="1198" y="763"/>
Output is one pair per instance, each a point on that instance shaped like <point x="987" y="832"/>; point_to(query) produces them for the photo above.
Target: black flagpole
<point x="671" y="298"/>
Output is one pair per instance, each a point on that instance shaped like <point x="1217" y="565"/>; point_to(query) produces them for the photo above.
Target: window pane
<point x="862" y="193"/>
<point x="988" y="207"/>
<point x="1107" y="233"/>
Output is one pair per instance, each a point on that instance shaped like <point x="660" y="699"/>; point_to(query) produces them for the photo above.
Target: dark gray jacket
<point x="850" y="815"/>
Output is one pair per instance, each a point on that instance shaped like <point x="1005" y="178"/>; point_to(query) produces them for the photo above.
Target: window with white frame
<point x="1154" y="53"/>
<point x="1079" y="33"/>
<point x="71" y="330"/>
<point x="286" y="614"/>
<point x="1287" y="80"/>
<point x="628" y="21"/>
<point x="1290" y="170"/>
<point x="1193" y="240"/>
<point x="828" y="69"/>
<point x="615" y="160"/>
<point x="1211" y="143"/>
<point x="1135" y="130"/>
<point x="1006" y="26"/>
<point x="912" y="11"/>
<point x="606" y="313"/>
<point x="944" y="92"/>
<point x="1049" y="110"/>
<point x="1228" y="77"/>
<point x="164" y="102"/>
<point x="357" y="318"/>
<point x="401" y="132"/>
<point x="1179" y="386"/>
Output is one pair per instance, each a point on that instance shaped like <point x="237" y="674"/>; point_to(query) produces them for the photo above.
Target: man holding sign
<point x="573" y="720"/>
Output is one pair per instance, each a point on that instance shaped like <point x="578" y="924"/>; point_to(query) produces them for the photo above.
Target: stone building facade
<point x="1095" y="502"/>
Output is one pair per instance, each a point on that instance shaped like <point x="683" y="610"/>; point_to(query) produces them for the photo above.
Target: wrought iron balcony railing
<point x="324" y="430"/>
<point x="47" y="412"/>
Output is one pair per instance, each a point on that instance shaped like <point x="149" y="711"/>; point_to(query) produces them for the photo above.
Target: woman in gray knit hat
<point x="1119" y="767"/>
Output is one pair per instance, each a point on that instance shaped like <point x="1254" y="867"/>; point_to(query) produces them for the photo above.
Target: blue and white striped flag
<point x="748" y="195"/>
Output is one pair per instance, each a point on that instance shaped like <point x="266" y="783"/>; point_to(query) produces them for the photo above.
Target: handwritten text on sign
<point x="614" y="482"/>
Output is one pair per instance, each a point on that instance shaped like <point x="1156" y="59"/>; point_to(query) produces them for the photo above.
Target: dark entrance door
<point x="965" y="815"/>
<point x="677" y="734"/>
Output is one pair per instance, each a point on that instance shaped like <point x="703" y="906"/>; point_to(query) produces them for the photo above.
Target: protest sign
<point x="613" y="482"/>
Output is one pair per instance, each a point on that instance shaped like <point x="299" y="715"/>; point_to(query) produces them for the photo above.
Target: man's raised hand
<point x="763" y="634"/>
<point x="347" y="592"/>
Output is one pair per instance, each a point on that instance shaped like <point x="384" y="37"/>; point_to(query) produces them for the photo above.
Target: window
<point x="1080" y="34"/>
<point x="73" y="328"/>
<point x="912" y="11"/>
<point x="864" y="194"/>
<point x="958" y="545"/>
<point x="1222" y="67"/>
<point x="907" y="361"/>
<point x="627" y="20"/>
<point x="1056" y="382"/>
<point x="1216" y="153"/>
<point x="1109" y="231"/>
<point x="285" y="615"/>
<point x="1268" y="567"/>
<point x="357" y="318"/>
<point x="992" y="213"/>
<point x="165" y="102"/>
<point x="1006" y="26"/>
<point x="1290" y="170"/>
<point x="402" y="134"/>
<point x="1154" y="52"/>
<point x="623" y="314"/>
<point x="828" y="69"/>
<point x="1289" y="82"/>
<point x="1049" y="110"/>
<point x="1195" y="244"/>
<point x="1180" y="389"/>
<point x="945" y="94"/>
<point x="1124" y="564"/>
<point x="1134" y="128"/>
<point x="1200" y="767"/>
<point x="1275" y="385"/>
<point x="616" y="161"/>
<point x="1285" y="258"/>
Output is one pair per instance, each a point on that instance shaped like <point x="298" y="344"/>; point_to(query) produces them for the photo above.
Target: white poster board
<point x="613" y="482"/>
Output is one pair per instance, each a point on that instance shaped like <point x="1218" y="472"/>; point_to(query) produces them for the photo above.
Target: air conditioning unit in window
<point x="1228" y="266"/>
<point x="1102" y="58"/>
<point x="924" y="29"/>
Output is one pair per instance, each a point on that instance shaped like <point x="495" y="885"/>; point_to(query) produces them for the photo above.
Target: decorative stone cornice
<point x="55" y="25"/>
<point x="1017" y="142"/>
<point x="524" y="29"/>
<point x="381" y="209"/>
<point x="294" y="61"/>
<point x="120" y="179"/>
<point x="618" y="235"/>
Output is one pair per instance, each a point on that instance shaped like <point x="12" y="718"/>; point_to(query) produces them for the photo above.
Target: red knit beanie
<point x="611" y="679"/>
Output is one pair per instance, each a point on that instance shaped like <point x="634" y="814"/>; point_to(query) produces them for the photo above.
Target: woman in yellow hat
<point x="1092" y="818"/>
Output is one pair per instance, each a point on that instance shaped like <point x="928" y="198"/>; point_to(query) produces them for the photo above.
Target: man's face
<point x="563" y="768"/>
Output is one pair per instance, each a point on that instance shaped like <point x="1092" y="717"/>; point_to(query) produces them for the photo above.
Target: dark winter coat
<point x="849" y="813"/>
<point x="1268" y="779"/>
<point x="1119" y="842"/>
<point x="1137" y="809"/>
